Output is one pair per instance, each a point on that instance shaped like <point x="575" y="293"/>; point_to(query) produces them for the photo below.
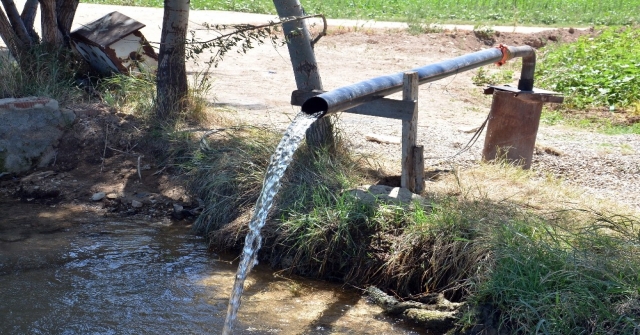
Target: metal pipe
<point x="528" y="56"/>
<point x="356" y="94"/>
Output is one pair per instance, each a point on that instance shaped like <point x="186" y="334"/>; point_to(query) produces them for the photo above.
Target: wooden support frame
<point x="405" y="110"/>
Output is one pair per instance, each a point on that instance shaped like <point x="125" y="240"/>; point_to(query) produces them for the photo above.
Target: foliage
<point x="242" y="38"/>
<point x="547" y="12"/>
<point x="594" y="72"/>
<point x="132" y="94"/>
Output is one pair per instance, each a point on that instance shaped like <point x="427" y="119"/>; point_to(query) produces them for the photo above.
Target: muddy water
<point x="66" y="271"/>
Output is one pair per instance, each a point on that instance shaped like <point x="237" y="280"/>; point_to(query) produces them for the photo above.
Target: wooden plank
<point x="409" y="131"/>
<point x="418" y="168"/>
<point x="383" y="139"/>
<point x="383" y="107"/>
<point x="298" y="97"/>
<point x="387" y="108"/>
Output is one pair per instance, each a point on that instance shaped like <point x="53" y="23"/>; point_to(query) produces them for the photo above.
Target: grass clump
<point x="136" y="94"/>
<point x="48" y="74"/>
<point x="554" y="279"/>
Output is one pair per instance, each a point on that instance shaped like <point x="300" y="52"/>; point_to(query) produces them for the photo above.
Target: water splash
<point x="270" y="187"/>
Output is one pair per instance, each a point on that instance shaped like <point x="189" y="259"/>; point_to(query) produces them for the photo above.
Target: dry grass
<point x="50" y="74"/>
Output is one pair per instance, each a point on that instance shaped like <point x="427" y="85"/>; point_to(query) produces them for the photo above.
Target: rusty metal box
<point x="114" y="44"/>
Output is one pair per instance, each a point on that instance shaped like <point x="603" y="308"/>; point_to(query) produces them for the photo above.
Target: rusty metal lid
<point x="107" y="30"/>
<point x="537" y="94"/>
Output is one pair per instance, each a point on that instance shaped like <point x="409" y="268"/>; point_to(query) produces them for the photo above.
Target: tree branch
<point x="29" y="18"/>
<point x="16" y="22"/>
<point x="11" y="40"/>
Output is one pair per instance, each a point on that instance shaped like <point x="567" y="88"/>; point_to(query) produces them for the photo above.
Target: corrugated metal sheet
<point x="108" y="29"/>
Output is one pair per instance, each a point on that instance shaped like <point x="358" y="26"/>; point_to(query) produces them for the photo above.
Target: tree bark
<point x="11" y="40"/>
<point x="29" y="18"/>
<point x="51" y="34"/>
<point x="172" y="73"/>
<point x="305" y="68"/>
<point x="66" y="11"/>
<point x="16" y="22"/>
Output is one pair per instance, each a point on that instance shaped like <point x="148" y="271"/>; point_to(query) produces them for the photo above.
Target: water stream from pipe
<point x="270" y="187"/>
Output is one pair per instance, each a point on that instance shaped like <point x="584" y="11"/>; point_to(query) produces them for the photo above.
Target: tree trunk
<point x="305" y="68"/>
<point x="51" y="34"/>
<point x="172" y="72"/>
<point x="29" y="18"/>
<point x="11" y="40"/>
<point x="66" y="11"/>
<point x="16" y="22"/>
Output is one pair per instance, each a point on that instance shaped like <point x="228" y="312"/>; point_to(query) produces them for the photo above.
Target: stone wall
<point x="30" y="129"/>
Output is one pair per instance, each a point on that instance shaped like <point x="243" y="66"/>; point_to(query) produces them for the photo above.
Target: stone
<point x="98" y="196"/>
<point x="436" y="321"/>
<point x="30" y="129"/>
<point x="112" y="196"/>
<point x="178" y="212"/>
<point x="136" y="204"/>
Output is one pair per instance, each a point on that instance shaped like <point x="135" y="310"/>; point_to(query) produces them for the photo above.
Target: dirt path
<point x="257" y="87"/>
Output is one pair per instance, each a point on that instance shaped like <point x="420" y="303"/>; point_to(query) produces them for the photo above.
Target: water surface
<point x="67" y="271"/>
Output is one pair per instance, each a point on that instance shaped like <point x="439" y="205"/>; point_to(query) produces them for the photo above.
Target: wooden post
<point x="305" y="68"/>
<point x="409" y="132"/>
<point x="418" y="168"/>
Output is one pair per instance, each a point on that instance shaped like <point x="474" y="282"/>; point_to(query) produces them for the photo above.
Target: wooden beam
<point x="382" y="107"/>
<point x="409" y="131"/>
<point x="389" y="108"/>
<point x="418" y="168"/>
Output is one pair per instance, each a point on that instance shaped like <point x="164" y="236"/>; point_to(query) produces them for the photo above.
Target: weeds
<point x="595" y="72"/>
<point x="136" y="94"/>
<point x="50" y="74"/>
<point x="484" y="77"/>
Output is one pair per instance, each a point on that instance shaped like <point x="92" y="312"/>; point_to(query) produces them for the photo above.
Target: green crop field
<point x="542" y="12"/>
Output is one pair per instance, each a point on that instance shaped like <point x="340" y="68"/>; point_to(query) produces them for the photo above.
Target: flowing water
<point x="67" y="271"/>
<point x="277" y="166"/>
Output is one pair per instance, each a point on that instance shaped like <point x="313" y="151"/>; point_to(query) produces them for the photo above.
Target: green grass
<point x="545" y="12"/>
<point x="49" y="74"/>
<point x="553" y="278"/>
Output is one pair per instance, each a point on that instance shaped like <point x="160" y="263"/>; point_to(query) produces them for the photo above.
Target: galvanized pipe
<point x="356" y="94"/>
